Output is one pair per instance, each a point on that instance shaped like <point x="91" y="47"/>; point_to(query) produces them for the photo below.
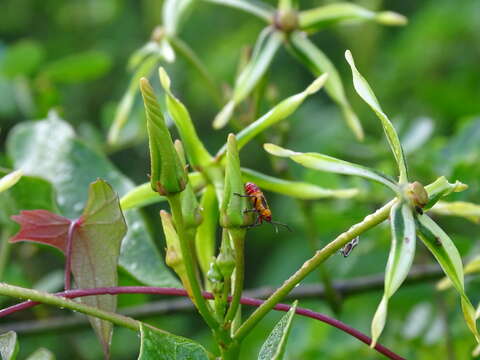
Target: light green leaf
<point x="198" y="156"/>
<point x="22" y="58"/>
<point x="257" y="8"/>
<point x="9" y="180"/>
<point x="143" y="195"/>
<point x="274" y="347"/>
<point x="267" y="45"/>
<point x="9" y="345"/>
<point x="318" y="18"/>
<point x="440" y="188"/>
<point x="464" y="209"/>
<point x="296" y="189"/>
<point x="49" y="149"/>
<point x="205" y="237"/>
<point x="366" y="93"/>
<point x="278" y="113"/>
<point x="42" y="354"/>
<point x="156" y="344"/>
<point x="173" y="13"/>
<point x="400" y="260"/>
<point x="330" y="164"/>
<point x="444" y="250"/>
<point x="473" y="266"/>
<point x="95" y="252"/>
<point x="318" y="63"/>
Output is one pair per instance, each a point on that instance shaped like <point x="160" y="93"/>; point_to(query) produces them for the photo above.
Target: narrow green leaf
<point x="278" y="113"/>
<point x="124" y="108"/>
<point x="473" y="266"/>
<point x="42" y="354"/>
<point x="296" y="189"/>
<point x="143" y="195"/>
<point x="402" y="251"/>
<point x="330" y="164"/>
<point x="205" y="237"/>
<point x="464" y="209"/>
<point x="366" y="93"/>
<point x="173" y="14"/>
<point x="444" y="250"/>
<point x="267" y="45"/>
<point x="318" y="18"/>
<point x="48" y="148"/>
<point x="318" y="63"/>
<point x="198" y="156"/>
<point x="167" y="174"/>
<point x="9" y="180"/>
<point x="440" y="188"/>
<point x="274" y="347"/>
<point x="95" y="252"/>
<point x="156" y="344"/>
<point x="260" y="9"/>
<point x="9" y="345"/>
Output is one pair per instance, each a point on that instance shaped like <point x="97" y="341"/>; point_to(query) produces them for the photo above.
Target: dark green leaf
<point x="49" y="149"/>
<point x="156" y="344"/>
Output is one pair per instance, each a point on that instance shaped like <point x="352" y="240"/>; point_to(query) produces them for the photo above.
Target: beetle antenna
<point x="281" y="224"/>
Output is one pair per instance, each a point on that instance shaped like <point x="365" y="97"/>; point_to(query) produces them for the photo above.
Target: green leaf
<point x="472" y="267"/>
<point x="267" y="45"/>
<point x="318" y="18"/>
<point x="330" y="164"/>
<point x="143" y="195"/>
<point x="464" y="209"/>
<point x="402" y="251"/>
<point x="124" y="108"/>
<point x="173" y="13"/>
<point x="318" y="63"/>
<point x="9" y="345"/>
<point x="167" y="175"/>
<point x="95" y="253"/>
<point x="156" y="344"/>
<point x="42" y="354"/>
<point x="440" y="188"/>
<point x="364" y="90"/>
<point x="278" y="113"/>
<point x="49" y="149"/>
<point x="10" y="179"/>
<point x="274" y="347"/>
<point x="444" y="250"/>
<point x="260" y="9"/>
<point x="296" y="189"/>
<point x="81" y="67"/>
<point x="22" y="58"/>
<point x="198" y="156"/>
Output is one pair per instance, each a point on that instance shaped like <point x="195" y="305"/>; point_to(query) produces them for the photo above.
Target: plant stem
<point x="59" y="300"/>
<point x="34" y="297"/>
<point x="238" y="236"/>
<point x="188" y="256"/>
<point x="255" y="8"/>
<point x="4" y="250"/>
<point x="68" y="253"/>
<point x="311" y="264"/>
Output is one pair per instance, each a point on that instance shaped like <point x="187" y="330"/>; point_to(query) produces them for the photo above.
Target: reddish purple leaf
<point x="42" y="226"/>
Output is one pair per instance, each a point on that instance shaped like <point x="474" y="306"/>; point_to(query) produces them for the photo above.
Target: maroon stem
<point x="180" y="292"/>
<point x="68" y="253"/>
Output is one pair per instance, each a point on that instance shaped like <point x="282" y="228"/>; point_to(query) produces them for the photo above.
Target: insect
<point x="348" y="248"/>
<point x="260" y="206"/>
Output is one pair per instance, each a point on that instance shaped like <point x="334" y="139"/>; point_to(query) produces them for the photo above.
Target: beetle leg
<point x="249" y="196"/>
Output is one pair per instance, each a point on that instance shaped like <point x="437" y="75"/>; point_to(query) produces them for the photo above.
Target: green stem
<point x="61" y="302"/>
<point x="238" y="236"/>
<point x="4" y="250"/>
<point x="258" y="9"/>
<point x="320" y="256"/>
<point x="200" y="302"/>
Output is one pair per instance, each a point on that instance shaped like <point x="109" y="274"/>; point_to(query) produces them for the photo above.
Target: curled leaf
<point x="440" y="188"/>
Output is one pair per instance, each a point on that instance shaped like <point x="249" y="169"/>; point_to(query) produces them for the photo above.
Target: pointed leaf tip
<point x="10" y="179"/>
<point x="164" y="78"/>
<point x="224" y="115"/>
<point x="278" y="150"/>
<point x="316" y="84"/>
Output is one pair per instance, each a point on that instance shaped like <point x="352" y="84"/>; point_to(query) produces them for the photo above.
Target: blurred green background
<point x="72" y="56"/>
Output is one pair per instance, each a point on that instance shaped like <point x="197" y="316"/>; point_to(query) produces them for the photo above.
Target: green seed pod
<point x="417" y="195"/>
<point x="226" y="259"/>
<point x="167" y="175"/>
<point x="214" y="275"/>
